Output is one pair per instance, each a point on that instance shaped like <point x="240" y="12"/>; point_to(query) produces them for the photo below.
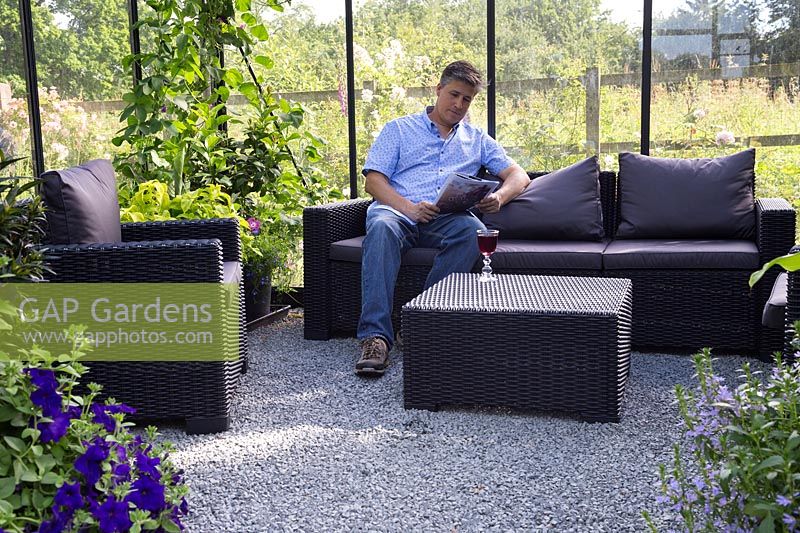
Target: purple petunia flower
<point x="90" y="464"/>
<point x="147" y="465"/>
<point x="49" y="400"/>
<point x="56" y="525"/>
<point x="53" y="431"/>
<point x="255" y="225"/>
<point x="69" y="497"/>
<point x="42" y="379"/>
<point x="112" y="516"/>
<point x="147" y="494"/>
<point x="122" y="471"/>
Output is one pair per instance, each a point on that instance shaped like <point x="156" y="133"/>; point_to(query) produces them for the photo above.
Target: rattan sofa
<point x="680" y="308"/>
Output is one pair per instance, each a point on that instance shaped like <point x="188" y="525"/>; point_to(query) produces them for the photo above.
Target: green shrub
<point x="738" y="468"/>
<point x="69" y="463"/>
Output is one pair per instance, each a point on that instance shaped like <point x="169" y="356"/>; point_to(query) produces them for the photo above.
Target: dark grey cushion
<point x="562" y="205"/>
<point x="548" y="254"/>
<point x="82" y="204"/>
<point x="664" y="198"/>
<point x="775" y="308"/>
<point x="350" y="250"/>
<point x="681" y="254"/>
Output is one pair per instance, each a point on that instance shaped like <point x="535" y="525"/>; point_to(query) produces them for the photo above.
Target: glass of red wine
<point x="487" y="244"/>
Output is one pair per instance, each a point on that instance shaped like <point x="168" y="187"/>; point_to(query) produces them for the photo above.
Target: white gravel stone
<point x="313" y="447"/>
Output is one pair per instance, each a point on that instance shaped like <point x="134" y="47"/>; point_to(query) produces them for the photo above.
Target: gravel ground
<point x="313" y="447"/>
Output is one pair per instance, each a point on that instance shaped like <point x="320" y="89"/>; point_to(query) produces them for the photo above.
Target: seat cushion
<point x="350" y="250"/>
<point x="663" y="198"/>
<point x="562" y="205"/>
<point x="775" y="308"/>
<point x="681" y="254"/>
<point x="231" y="272"/>
<point x="82" y="204"/>
<point x="548" y="254"/>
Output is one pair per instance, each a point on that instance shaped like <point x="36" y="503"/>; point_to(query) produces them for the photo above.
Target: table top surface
<point x="517" y="293"/>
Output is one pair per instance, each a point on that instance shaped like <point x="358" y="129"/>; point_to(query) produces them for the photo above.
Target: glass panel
<point x="15" y="140"/>
<point x="307" y="44"/>
<point x="79" y="49"/>
<point x="725" y="78"/>
<point x="401" y="49"/>
<point x="568" y="81"/>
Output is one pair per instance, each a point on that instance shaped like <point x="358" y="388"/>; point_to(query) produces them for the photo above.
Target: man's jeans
<point x="389" y="236"/>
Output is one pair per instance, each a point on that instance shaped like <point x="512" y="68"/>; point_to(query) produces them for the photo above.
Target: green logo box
<point x="124" y="321"/>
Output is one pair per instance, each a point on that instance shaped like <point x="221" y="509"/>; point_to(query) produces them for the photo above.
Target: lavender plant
<point x="71" y="463"/>
<point x="738" y="468"/>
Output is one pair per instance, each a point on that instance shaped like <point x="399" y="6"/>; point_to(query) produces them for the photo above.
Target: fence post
<point x="591" y="84"/>
<point x="5" y="95"/>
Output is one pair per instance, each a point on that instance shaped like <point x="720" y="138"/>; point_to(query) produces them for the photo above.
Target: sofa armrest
<point x="224" y="229"/>
<point x="323" y="225"/>
<point x="775" y="227"/>
<point x="178" y="261"/>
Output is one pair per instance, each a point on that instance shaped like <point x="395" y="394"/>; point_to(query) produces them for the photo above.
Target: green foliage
<point x="790" y="262"/>
<point x="22" y="229"/>
<point x="79" y="45"/>
<point x="56" y="439"/>
<point x="151" y="200"/>
<point x="739" y="467"/>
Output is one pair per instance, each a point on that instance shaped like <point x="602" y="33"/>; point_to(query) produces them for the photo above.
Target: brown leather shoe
<point x="374" y="357"/>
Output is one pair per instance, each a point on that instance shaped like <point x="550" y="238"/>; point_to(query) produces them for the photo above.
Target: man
<point x="406" y="166"/>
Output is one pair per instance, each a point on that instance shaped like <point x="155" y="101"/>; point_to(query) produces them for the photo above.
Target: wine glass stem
<point x="487" y="267"/>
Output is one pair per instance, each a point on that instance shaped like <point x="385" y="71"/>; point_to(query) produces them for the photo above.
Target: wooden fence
<point x="592" y="81"/>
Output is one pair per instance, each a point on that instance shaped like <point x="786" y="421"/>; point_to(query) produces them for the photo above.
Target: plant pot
<point x="257" y="297"/>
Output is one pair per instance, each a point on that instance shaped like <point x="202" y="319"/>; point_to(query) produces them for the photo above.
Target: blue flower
<point x="57" y="524"/>
<point x="69" y="496"/>
<point x="90" y="464"/>
<point x="783" y="500"/>
<point x="112" y="516"/>
<point x="789" y="520"/>
<point x="48" y="399"/>
<point x="53" y="431"/>
<point x="147" y="465"/>
<point x="42" y="379"/>
<point x="147" y="494"/>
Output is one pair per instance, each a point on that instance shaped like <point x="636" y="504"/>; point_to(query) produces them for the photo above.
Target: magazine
<point x="462" y="191"/>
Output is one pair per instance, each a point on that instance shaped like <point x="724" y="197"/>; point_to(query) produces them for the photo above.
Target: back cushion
<point x="562" y="205"/>
<point x="82" y="204"/>
<point x="664" y="198"/>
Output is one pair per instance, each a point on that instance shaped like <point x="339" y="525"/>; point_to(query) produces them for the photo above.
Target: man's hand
<point x="422" y="212"/>
<point x="489" y="204"/>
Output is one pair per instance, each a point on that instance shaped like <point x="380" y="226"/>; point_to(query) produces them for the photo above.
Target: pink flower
<point x="255" y="225"/>
<point x="725" y="137"/>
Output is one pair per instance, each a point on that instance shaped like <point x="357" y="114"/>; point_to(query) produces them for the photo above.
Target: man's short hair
<point x="462" y="71"/>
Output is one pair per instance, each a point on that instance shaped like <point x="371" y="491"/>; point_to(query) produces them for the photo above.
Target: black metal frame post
<point x="351" y="97"/>
<point x="32" y="86"/>
<point x="647" y="71"/>
<point x="133" y="37"/>
<point x="491" y="74"/>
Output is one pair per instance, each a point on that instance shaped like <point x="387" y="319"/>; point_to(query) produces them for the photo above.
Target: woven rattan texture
<point x="224" y="229"/>
<point x="792" y="313"/>
<point x="512" y="293"/>
<point x="776" y="226"/>
<point x="198" y="392"/>
<point x="685" y="310"/>
<point x="323" y="225"/>
<point x="507" y="354"/>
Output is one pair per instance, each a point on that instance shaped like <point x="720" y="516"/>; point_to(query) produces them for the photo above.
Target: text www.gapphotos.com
<point x="111" y="338"/>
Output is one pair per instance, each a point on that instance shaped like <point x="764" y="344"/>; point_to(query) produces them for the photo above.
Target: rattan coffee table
<point x="533" y="342"/>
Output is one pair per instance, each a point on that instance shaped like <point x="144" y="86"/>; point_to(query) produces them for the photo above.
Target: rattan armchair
<point x="199" y="393"/>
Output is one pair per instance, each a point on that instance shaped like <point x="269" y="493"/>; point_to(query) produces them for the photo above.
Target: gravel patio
<point x="313" y="447"/>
